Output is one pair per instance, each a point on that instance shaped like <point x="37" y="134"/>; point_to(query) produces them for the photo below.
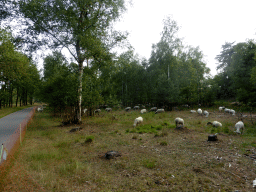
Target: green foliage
<point x="59" y="89"/>
<point x="19" y="74"/>
<point x="238" y="63"/>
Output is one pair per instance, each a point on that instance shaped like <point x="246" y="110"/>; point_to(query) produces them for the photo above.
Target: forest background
<point x="174" y="75"/>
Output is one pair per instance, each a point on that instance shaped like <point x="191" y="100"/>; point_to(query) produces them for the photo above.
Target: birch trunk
<point x="80" y="77"/>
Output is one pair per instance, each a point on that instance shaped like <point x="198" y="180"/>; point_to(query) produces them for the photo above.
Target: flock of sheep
<point x="239" y="126"/>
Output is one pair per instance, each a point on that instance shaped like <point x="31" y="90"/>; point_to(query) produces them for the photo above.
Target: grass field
<point x="9" y="110"/>
<point x="154" y="156"/>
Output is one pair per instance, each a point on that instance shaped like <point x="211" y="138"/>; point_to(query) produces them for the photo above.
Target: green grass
<point x="9" y="110"/>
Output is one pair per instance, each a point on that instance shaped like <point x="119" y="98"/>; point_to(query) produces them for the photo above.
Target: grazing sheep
<point x="40" y="109"/>
<point x="159" y="111"/>
<point x="137" y="121"/>
<point x="143" y="111"/>
<point x="199" y="111"/>
<point x="226" y="110"/>
<point x="206" y="113"/>
<point x="221" y="108"/>
<point x="179" y="121"/>
<point x="127" y="108"/>
<point x="108" y="109"/>
<point x="97" y="111"/>
<point x="136" y="107"/>
<point x="85" y="110"/>
<point x="153" y="109"/>
<point x="232" y="112"/>
<point x="186" y="106"/>
<point x="239" y="126"/>
<point x="192" y="111"/>
<point x="215" y="124"/>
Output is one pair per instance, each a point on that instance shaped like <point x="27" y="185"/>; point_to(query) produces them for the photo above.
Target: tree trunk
<point x="17" y="99"/>
<point x="26" y="96"/>
<point x="80" y="77"/>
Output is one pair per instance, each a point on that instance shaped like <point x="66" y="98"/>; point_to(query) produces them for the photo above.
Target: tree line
<point x="175" y="74"/>
<point x="19" y="76"/>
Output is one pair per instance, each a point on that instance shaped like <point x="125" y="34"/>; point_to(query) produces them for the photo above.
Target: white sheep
<point x="108" y="109"/>
<point x="215" y="124"/>
<point x="221" y="108"/>
<point x="199" y="111"/>
<point x="159" y="111"/>
<point x="239" y="126"/>
<point x="40" y="109"/>
<point x="136" y="107"/>
<point x="226" y="110"/>
<point x="179" y="121"/>
<point x="127" y="108"/>
<point x="97" y="111"/>
<point x="192" y="111"/>
<point x="143" y="111"/>
<point x="206" y="113"/>
<point x="153" y="109"/>
<point x="137" y="121"/>
<point x="233" y="112"/>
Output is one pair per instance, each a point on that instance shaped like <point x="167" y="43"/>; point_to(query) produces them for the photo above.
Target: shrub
<point x="163" y="143"/>
<point x="89" y="139"/>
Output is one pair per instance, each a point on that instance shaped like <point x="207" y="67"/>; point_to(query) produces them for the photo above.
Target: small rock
<point x="75" y="129"/>
<point x="112" y="154"/>
<point x="212" y="138"/>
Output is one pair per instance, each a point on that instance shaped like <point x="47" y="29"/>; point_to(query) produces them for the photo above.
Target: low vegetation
<point x="155" y="156"/>
<point x="7" y="111"/>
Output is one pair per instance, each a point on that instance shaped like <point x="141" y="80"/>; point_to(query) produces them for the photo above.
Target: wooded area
<point x="174" y="75"/>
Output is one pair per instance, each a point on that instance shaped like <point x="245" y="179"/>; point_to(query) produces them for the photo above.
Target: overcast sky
<point x="207" y="24"/>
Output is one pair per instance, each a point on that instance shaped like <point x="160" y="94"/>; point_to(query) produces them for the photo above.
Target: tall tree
<point x="80" y="26"/>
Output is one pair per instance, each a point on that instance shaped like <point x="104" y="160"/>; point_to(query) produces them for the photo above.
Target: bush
<point x="89" y="139"/>
<point x="163" y="143"/>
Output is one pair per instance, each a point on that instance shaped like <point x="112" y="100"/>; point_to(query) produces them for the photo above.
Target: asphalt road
<point x="10" y="123"/>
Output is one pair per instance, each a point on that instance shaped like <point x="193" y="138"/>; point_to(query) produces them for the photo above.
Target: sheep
<point x="159" y="111"/>
<point x="179" y="121"/>
<point x="199" y="111"/>
<point x="186" y="106"/>
<point x="97" y="111"/>
<point x="226" y="110"/>
<point x="40" y="109"/>
<point x="215" y="124"/>
<point x="239" y="126"/>
<point x="233" y="112"/>
<point x="143" y="111"/>
<point x="85" y="110"/>
<point x="108" y="109"/>
<point x="153" y="109"/>
<point x="127" y="109"/>
<point x="206" y="113"/>
<point x="137" y="121"/>
<point x="221" y="108"/>
<point x="136" y="107"/>
<point x="192" y="111"/>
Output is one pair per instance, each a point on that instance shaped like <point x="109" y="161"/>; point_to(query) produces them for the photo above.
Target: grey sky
<point x="207" y="24"/>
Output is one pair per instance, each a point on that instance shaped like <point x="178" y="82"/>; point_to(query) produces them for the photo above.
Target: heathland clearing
<point x="154" y="155"/>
